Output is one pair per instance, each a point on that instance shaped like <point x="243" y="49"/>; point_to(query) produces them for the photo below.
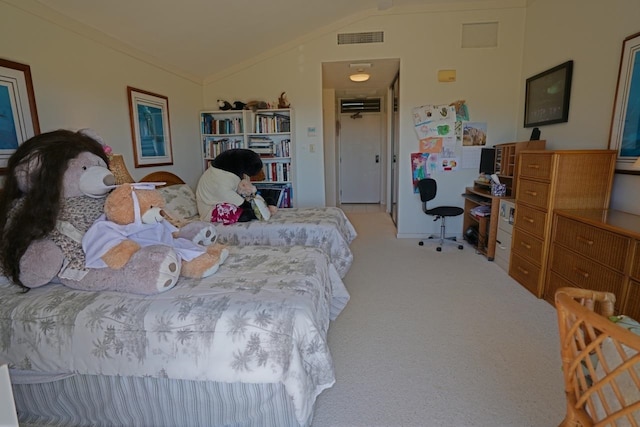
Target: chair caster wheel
<point x="420" y="243"/>
<point x="439" y="249"/>
<point x="460" y="247"/>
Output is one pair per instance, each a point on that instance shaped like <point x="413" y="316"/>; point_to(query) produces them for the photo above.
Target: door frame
<point x="384" y="146"/>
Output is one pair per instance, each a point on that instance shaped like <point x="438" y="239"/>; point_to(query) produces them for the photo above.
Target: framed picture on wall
<point x="547" y="96"/>
<point x="625" y="122"/>
<point x="18" y="113"/>
<point x="150" y="131"/>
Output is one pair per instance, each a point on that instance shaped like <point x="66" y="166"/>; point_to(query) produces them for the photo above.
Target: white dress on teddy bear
<point x="104" y="235"/>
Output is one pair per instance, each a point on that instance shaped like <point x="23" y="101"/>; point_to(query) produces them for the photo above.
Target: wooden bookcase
<point x="267" y="132"/>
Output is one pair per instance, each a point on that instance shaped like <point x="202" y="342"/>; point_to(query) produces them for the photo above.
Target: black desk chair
<point x="428" y="189"/>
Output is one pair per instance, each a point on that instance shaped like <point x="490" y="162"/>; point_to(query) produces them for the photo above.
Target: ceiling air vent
<point x="355" y="38"/>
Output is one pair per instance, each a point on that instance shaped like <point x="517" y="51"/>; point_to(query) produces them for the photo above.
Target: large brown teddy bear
<point x="134" y="218"/>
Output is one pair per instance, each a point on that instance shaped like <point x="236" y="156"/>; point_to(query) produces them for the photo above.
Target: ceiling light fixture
<point x="359" y="76"/>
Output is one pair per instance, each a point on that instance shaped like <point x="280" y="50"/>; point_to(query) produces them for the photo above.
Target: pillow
<point x="627" y="323"/>
<point x="624" y="381"/>
<point x="180" y="200"/>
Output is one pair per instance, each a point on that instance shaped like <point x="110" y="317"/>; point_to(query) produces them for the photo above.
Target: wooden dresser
<point x="548" y="180"/>
<point x="596" y="249"/>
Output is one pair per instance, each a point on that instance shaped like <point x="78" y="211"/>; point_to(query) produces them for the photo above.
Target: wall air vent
<point x="355" y="38"/>
<point x="369" y="105"/>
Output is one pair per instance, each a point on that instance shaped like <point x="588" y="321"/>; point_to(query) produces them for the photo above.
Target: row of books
<point x="272" y="123"/>
<point x="267" y="147"/>
<point x="276" y="171"/>
<point x="279" y="194"/>
<point x="214" y="146"/>
<point x="210" y="125"/>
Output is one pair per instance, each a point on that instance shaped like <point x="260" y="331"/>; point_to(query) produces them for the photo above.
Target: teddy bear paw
<point x="200" y="233"/>
<point x="168" y="272"/>
<point x="206" y="237"/>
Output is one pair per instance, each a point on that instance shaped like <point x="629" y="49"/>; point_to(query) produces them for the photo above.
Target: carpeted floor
<point x="438" y="339"/>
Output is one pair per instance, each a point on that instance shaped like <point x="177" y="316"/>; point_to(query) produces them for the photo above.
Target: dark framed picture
<point x="149" y="115"/>
<point x="625" y="122"/>
<point x="18" y="113"/>
<point x="547" y="96"/>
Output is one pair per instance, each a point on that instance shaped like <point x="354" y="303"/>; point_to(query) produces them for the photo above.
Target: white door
<point x="360" y="157"/>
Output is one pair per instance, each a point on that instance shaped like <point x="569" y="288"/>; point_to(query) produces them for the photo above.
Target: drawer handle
<point x="581" y="272"/>
<point x="526" y="245"/>
<point x="523" y="271"/>
<point x="531" y="193"/>
<point x="584" y="240"/>
<point x="534" y="166"/>
<point x="526" y="218"/>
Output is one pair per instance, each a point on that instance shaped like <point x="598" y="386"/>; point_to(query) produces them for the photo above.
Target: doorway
<point x="337" y="86"/>
<point x="360" y="154"/>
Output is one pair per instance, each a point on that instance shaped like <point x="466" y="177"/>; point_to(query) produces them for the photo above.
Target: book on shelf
<point x="272" y="122"/>
<point x="222" y="126"/>
<point x="263" y="151"/>
<point x="213" y="146"/>
<point x="278" y="194"/>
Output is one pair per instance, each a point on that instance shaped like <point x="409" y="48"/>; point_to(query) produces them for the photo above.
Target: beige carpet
<point x="438" y="339"/>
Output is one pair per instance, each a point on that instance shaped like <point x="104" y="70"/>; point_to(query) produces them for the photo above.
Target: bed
<point x="327" y="228"/>
<point x="246" y="346"/>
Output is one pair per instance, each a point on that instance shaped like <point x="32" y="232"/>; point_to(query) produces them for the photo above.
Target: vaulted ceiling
<point x="202" y="38"/>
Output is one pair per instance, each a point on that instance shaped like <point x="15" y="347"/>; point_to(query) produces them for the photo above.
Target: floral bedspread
<point x="325" y="228"/>
<point x="262" y="318"/>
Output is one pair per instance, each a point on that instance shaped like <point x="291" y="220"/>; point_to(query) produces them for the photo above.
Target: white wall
<point x="591" y="34"/>
<point x="488" y="79"/>
<point x="80" y="83"/>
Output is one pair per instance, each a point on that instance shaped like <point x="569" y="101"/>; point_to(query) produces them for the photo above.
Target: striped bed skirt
<point x="91" y="400"/>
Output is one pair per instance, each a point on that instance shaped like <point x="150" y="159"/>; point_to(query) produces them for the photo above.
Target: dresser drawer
<point x="526" y="273"/>
<point x="608" y="248"/>
<point x="585" y="273"/>
<point x="535" y="165"/>
<point x="635" y="266"/>
<point x="534" y="193"/>
<point x="527" y="246"/>
<point x="555" y="282"/>
<point x="531" y="220"/>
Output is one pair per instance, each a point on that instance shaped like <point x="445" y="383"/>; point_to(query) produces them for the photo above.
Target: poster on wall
<point x="419" y="168"/>
<point x="474" y="134"/>
<point x="18" y="113"/>
<point x="435" y="121"/>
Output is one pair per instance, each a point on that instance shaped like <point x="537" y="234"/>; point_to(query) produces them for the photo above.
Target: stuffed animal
<point x="55" y="189"/>
<point x="238" y="105"/>
<point x="219" y="183"/>
<point x="249" y="193"/>
<point x="133" y="219"/>
<point x="224" y="105"/>
<point x="283" y="102"/>
<point x="256" y="105"/>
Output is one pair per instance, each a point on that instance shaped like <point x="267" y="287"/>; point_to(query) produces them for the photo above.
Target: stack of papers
<point x="481" y="211"/>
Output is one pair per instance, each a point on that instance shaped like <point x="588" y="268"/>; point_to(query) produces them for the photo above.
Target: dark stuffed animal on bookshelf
<point x="224" y="105"/>
<point x="238" y="105"/>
